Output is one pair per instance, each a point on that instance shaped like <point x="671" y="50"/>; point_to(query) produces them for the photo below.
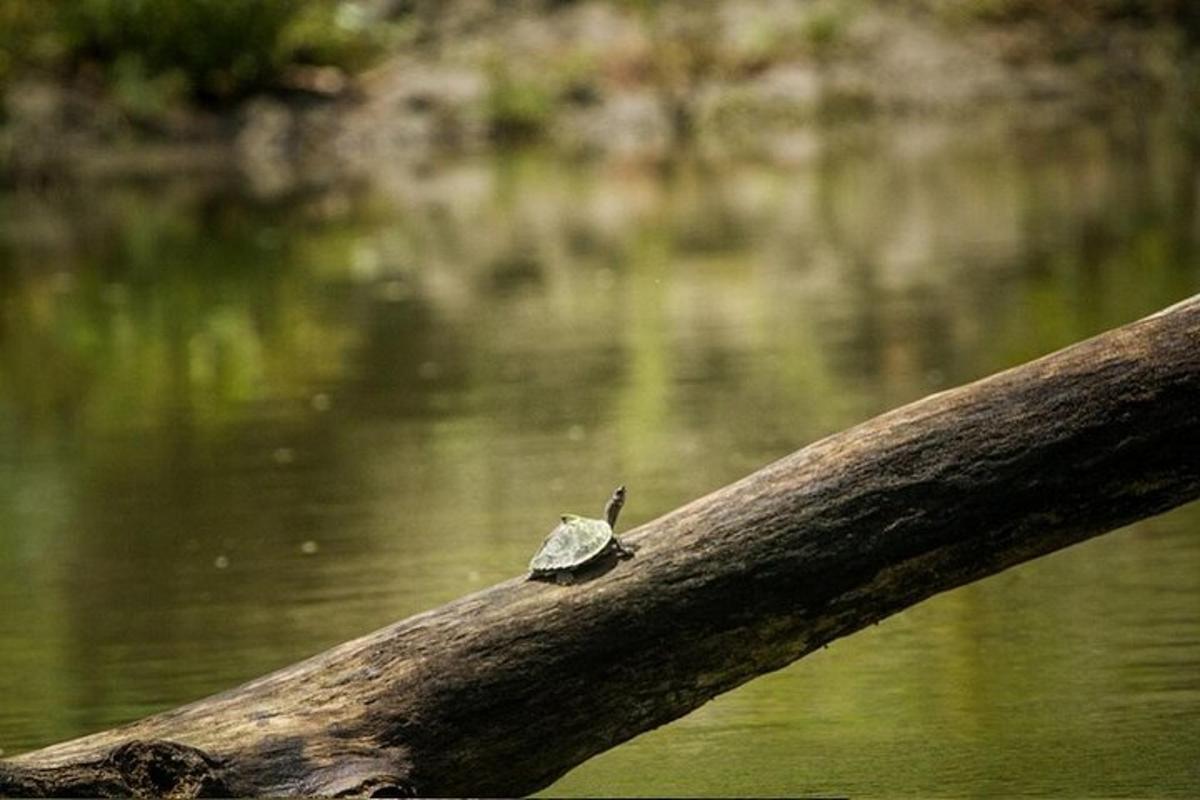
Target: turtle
<point x="578" y="541"/>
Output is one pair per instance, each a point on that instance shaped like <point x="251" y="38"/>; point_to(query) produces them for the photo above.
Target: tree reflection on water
<point x="235" y="431"/>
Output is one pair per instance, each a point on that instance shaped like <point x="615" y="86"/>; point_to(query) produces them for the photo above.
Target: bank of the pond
<point x="609" y="78"/>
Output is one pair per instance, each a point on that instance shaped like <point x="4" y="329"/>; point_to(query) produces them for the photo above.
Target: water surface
<point x="237" y="429"/>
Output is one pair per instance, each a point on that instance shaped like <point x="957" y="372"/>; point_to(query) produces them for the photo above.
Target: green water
<point x="238" y="428"/>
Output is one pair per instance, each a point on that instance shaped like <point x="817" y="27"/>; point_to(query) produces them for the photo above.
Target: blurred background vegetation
<point x="587" y="75"/>
<point x="203" y="50"/>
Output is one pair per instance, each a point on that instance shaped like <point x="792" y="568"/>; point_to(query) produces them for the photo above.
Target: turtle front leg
<point x="621" y="550"/>
<point x="564" y="577"/>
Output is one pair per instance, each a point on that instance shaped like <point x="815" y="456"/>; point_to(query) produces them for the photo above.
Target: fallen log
<point x="501" y="692"/>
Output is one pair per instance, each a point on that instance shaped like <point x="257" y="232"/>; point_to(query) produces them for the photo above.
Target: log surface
<point x="501" y="692"/>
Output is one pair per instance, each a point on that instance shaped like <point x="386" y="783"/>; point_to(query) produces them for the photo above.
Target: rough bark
<point x="501" y="692"/>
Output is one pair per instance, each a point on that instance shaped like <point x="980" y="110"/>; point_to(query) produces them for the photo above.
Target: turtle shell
<point x="573" y="543"/>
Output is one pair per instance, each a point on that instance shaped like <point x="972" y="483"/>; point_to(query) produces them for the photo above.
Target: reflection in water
<point x="234" y="433"/>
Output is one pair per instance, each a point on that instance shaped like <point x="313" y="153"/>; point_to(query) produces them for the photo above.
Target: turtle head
<point x="613" y="507"/>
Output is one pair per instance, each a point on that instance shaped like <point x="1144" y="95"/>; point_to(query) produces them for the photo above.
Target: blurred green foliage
<point x="518" y="109"/>
<point x="27" y="35"/>
<point x="211" y="50"/>
<point x="522" y="101"/>
<point x="1183" y="13"/>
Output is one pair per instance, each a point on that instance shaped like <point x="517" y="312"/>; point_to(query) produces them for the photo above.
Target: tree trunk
<point x="501" y="692"/>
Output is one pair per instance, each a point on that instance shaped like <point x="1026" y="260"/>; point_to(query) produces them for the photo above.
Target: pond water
<point x="237" y="428"/>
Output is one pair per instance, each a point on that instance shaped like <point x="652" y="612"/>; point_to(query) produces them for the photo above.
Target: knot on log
<point x="161" y="768"/>
<point x="136" y="768"/>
